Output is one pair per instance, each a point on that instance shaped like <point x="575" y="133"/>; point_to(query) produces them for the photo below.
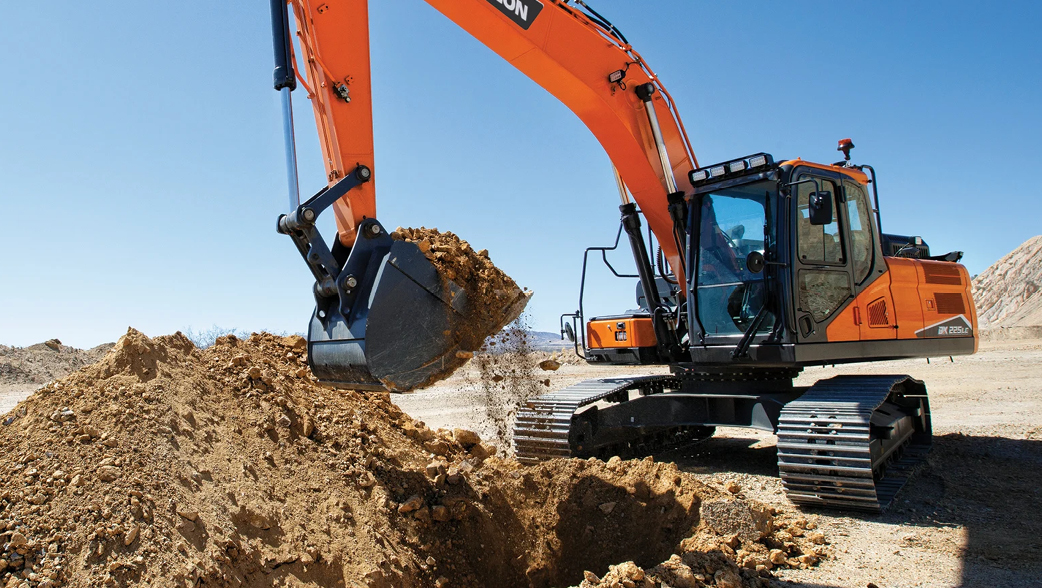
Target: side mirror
<point x="568" y="332"/>
<point x="820" y="208"/>
<point x="754" y="262"/>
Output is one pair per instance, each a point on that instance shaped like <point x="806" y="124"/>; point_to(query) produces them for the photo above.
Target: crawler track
<point x="543" y="429"/>
<point x="832" y="450"/>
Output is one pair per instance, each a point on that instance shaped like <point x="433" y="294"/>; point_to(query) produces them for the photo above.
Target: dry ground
<point x="12" y="394"/>
<point x="970" y="516"/>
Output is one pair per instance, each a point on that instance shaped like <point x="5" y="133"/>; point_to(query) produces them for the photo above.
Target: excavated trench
<point x="545" y="525"/>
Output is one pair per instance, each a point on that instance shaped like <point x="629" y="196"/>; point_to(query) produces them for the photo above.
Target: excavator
<point x="752" y="269"/>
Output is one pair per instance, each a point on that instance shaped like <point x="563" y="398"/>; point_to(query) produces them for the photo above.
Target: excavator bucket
<point x="385" y="317"/>
<point x="394" y="322"/>
<point x="394" y="328"/>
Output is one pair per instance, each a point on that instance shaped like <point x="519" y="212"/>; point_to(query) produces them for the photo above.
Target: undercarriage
<point x="848" y="442"/>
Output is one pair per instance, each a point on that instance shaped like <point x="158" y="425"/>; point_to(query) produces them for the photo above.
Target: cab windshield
<point x="734" y="223"/>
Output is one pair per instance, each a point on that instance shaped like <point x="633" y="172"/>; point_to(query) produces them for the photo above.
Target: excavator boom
<point x="365" y="283"/>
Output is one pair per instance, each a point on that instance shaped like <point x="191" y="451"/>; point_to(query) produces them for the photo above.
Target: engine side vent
<point x="877" y="314"/>
<point x="942" y="273"/>
<point x="949" y="303"/>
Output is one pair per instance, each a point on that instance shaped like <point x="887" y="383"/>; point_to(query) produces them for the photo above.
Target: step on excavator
<point x="751" y="270"/>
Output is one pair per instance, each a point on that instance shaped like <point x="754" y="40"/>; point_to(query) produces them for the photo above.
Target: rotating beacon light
<point x="845" y="145"/>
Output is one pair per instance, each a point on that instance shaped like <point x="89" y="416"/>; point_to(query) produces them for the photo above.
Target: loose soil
<point x="507" y="375"/>
<point x="166" y="465"/>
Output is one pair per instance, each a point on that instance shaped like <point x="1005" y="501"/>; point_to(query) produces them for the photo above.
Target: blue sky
<point x="142" y="166"/>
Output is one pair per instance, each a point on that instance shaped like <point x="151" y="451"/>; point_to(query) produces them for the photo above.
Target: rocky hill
<point x="41" y="363"/>
<point x="1009" y="293"/>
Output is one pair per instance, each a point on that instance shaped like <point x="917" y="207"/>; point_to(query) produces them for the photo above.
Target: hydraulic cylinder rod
<point x="285" y="82"/>
<point x="644" y="92"/>
<point x="623" y="190"/>
<point x="666" y="336"/>
<point x="291" y="148"/>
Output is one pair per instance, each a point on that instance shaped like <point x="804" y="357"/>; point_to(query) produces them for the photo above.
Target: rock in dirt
<point x="440" y="513"/>
<point x="131" y="535"/>
<point x="466" y="438"/>
<point x="749" y="521"/>
<point x="412" y="504"/>
<point x="17" y="540"/>
<point x="676" y="573"/>
<point x="108" y="473"/>
<point x="549" y="365"/>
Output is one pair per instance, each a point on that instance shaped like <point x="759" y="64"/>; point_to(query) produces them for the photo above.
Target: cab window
<point x="860" y="218"/>
<point x="733" y="225"/>
<point x="818" y="244"/>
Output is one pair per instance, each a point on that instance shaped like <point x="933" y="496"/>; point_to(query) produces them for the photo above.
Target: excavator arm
<point x="566" y="48"/>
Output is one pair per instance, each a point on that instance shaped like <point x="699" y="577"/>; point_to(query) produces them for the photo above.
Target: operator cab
<point x="786" y="267"/>
<point x="813" y="279"/>
<point x="810" y="245"/>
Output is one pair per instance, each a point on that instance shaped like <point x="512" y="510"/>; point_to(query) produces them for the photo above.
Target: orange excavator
<point x="761" y="267"/>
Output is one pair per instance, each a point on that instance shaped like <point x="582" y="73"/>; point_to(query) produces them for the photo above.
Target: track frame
<point x="848" y="442"/>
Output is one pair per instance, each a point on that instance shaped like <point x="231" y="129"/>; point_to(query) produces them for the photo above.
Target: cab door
<point x="873" y="305"/>
<point x="822" y="280"/>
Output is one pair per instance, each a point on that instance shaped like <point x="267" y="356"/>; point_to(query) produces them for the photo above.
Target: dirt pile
<point x="164" y="465"/>
<point x="44" y="362"/>
<point x="493" y="298"/>
<point x="1009" y="293"/>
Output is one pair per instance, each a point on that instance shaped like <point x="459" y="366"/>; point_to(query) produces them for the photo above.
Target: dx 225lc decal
<point x="957" y="326"/>
<point x="522" y="12"/>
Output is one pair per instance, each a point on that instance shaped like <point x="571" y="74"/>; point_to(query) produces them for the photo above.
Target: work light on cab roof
<point x="732" y="168"/>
